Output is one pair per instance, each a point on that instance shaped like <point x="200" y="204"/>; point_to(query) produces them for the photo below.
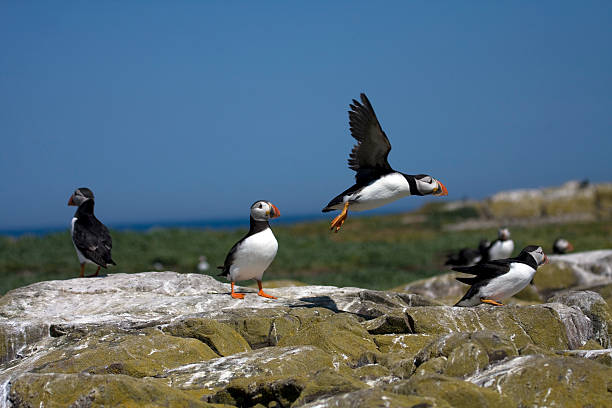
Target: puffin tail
<point x="223" y="271"/>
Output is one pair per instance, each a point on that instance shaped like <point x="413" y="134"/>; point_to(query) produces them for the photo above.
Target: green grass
<point x="378" y="252"/>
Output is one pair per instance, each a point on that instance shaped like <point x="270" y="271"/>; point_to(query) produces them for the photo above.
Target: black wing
<point x="369" y="156"/>
<point x="92" y="238"/>
<point x="229" y="259"/>
<point x="465" y="256"/>
<point x="484" y="271"/>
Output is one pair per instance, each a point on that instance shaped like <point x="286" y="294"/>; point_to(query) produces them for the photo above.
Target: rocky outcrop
<point x="167" y="339"/>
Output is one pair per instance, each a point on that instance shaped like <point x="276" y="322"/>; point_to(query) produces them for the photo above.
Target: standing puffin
<point x="377" y="183"/>
<point x="502" y="278"/>
<point x="562" y="246"/>
<point x="250" y="257"/>
<point x="468" y="256"/>
<point x="90" y="237"/>
<point x="501" y="248"/>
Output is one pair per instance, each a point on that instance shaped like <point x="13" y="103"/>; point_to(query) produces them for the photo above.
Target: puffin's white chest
<point x="386" y="189"/>
<point x="509" y="283"/>
<point x="501" y="249"/>
<point x="253" y="256"/>
<point x="80" y="255"/>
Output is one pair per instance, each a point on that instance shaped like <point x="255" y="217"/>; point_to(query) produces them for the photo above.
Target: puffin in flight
<point x="501" y="248"/>
<point x="90" y="237"/>
<point x="562" y="246"/>
<point x="468" y="256"/>
<point x="377" y="183"/>
<point x="250" y="257"/>
<point x="502" y="278"/>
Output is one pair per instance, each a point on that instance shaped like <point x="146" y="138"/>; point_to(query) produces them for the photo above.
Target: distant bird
<point x="562" y="246"/>
<point x="251" y="256"/>
<point x="90" y="237"/>
<point x="203" y="264"/>
<point x="377" y="183"/>
<point x="502" y="278"/>
<point x="501" y="248"/>
<point x="468" y="256"/>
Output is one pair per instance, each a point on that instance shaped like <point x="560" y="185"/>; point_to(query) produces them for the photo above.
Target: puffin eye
<point x="260" y="206"/>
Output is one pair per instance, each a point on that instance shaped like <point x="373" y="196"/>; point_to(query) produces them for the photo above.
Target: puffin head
<point x="483" y="244"/>
<point x="536" y="253"/>
<point x="263" y="210"/>
<point x="562" y="246"/>
<point x="80" y="195"/>
<point x="428" y="185"/>
<point x="503" y="234"/>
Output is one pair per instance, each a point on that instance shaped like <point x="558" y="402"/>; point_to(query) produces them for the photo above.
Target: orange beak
<point x="570" y="247"/>
<point x="71" y="201"/>
<point x="442" y="191"/>
<point x="275" y="211"/>
<point x="545" y="259"/>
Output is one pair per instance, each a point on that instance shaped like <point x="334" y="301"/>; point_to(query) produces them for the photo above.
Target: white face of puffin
<point x="538" y="254"/>
<point x="503" y="233"/>
<point x="264" y="210"/>
<point x="80" y="195"/>
<point x="429" y="185"/>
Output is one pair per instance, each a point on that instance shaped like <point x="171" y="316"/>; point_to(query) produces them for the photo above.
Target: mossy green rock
<point x="547" y="381"/>
<point x="220" y="337"/>
<point x="84" y="390"/>
<point x="554" y="277"/>
<point x="378" y="398"/>
<point x="148" y="352"/>
<point x="341" y="335"/>
<point x="455" y="392"/>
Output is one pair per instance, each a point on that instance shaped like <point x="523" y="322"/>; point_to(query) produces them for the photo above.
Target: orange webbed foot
<point x="337" y="222"/>
<point x="236" y="295"/>
<point x="491" y="302"/>
<point x="262" y="293"/>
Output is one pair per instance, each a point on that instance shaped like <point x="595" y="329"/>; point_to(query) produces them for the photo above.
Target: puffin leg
<point x="339" y="220"/>
<point x="82" y="270"/>
<point x="262" y="293"/>
<point x="491" y="302"/>
<point x="236" y="295"/>
<point x="94" y="274"/>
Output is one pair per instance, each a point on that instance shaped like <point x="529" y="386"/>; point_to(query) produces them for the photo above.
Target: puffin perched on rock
<point x="562" y="246"/>
<point x="377" y="183"/>
<point x="250" y="257"/>
<point x="468" y="256"/>
<point x="502" y="278"/>
<point x="501" y="248"/>
<point x="90" y="237"/>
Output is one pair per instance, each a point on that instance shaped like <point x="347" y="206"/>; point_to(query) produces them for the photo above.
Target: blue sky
<point x="193" y="110"/>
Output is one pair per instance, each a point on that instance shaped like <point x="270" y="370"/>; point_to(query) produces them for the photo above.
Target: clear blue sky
<point x="193" y="110"/>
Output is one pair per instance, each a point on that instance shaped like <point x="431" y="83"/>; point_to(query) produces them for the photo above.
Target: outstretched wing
<point x="484" y="271"/>
<point x="92" y="238"/>
<point x="369" y="155"/>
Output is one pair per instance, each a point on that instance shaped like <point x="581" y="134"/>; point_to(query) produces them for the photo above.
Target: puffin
<point x="501" y="248"/>
<point x="468" y="256"/>
<point x="562" y="246"/>
<point x="496" y="280"/>
<point x="250" y="257"/>
<point x="376" y="183"/>
<point x="91" y="239"/>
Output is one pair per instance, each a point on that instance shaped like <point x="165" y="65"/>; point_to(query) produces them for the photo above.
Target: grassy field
<point x="378" y="252"/>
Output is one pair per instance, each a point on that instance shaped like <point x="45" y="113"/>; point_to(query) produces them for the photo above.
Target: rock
<point x="376" y="397"/>
<point x="455" y="392"/>
<point x="443" y="288"/>
<point x="595" y="308"/>
<point x="84" y="390"/>
<point x="549" y="381"/>
<point x="388" y="324"/>
<point x="603" y="356"/>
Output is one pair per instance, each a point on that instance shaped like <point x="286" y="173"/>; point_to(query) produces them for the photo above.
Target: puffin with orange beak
<point x="90" y="237"/>
<point x="377" y="183"/>
<point x="250" y="257"/>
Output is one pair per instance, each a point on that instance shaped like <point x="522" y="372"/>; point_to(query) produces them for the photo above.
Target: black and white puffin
<point x="468" y="256"/>
<point x="90" y="237"/>
<point x="250" y="257"/>
<point x="502" y="278"/>
<point x="501" y="248"/>
<point x="377" y="183"/>
<point x="562" y="246"/>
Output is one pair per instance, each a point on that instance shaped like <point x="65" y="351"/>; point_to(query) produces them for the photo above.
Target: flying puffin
<point x="502" y="278"/>
<point x="377" y="183"/>
<point x="90" y="237"/>
<point x="250" y="257"/>
<point x="468" y="256"/>
<point x="562" y="246"/>
<point x="501" y="248"/>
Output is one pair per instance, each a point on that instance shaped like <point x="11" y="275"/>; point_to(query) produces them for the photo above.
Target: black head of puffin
<point x="426" y="185"/>
<point x="537" y="253"/>
<point x="80" y="195"/>
<point x="264" y="210"/>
